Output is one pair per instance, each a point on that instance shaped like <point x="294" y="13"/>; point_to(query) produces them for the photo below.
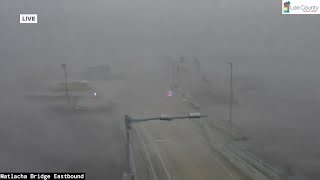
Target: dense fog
<point x="275" y="60"/>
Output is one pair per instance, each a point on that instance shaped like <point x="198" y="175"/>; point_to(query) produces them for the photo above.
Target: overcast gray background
<point x="253" y="34"/>
<point x="282" y="51"/>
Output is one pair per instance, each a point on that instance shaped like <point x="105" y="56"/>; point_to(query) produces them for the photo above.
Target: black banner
<point x="43" y="176"/>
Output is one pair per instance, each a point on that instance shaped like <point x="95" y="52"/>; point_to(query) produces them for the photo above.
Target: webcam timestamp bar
<point x="43" y="176"/>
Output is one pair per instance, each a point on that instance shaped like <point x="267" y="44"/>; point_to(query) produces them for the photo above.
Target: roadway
<point x="179" y="152"/>
<point x="174" y="150"/>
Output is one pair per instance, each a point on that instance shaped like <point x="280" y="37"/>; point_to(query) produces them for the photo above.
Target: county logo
<point x="286" y="7"/>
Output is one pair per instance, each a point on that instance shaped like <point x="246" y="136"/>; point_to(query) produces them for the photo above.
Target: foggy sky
<point x="253" y="34"/>
<point x="280" y="50"/>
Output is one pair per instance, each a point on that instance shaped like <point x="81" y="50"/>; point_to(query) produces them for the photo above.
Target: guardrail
<point x="244" y="154"/>
<point x="243" y="159"/>
<point x="252" y="166"/>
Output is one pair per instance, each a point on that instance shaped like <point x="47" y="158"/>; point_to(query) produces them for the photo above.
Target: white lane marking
<point x="212" y="156"/>
<point x="148" y="156"/>
<point x="157" y="152"/>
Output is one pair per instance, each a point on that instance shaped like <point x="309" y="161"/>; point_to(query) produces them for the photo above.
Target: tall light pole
<point x="127" y="121"/>
<point x="231" y="96"/>
<point x="128" y="126"/>
<point x="64" y="67"/>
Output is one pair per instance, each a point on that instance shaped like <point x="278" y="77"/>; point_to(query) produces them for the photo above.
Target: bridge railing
<point x="251" y="165"/>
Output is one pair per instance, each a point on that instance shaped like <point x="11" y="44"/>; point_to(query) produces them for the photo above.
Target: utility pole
<point x="64" y="67"/>
<point x="231" y="96"/>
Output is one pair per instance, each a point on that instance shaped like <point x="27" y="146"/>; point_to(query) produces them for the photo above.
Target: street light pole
<point x="128" y="126"/>
<point x="231" y="96"/>
<point x="64" y="67"/>
<point x="128" y="121"/>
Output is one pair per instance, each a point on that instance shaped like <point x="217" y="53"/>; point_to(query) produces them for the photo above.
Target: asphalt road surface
<point x="172" y="150"/>
<point x="181" y="154"/>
